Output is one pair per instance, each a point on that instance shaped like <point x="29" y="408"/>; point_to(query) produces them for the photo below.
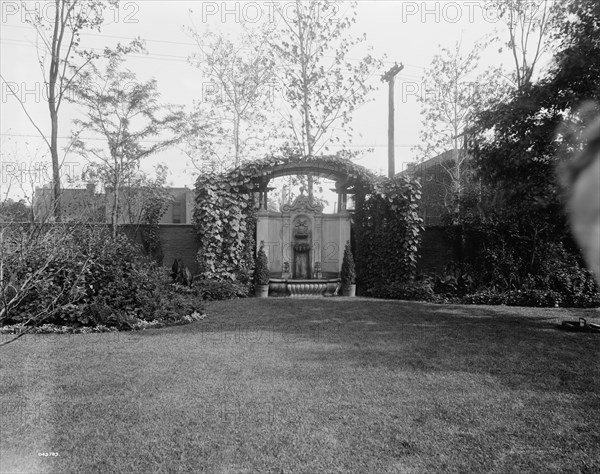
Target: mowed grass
<point x="310" y="385"/>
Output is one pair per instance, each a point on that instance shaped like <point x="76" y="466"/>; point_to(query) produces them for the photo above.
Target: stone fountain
<point x="305" y="247"/>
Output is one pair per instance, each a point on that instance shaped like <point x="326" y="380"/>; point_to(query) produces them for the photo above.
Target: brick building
<point x="436" y="183"/>
<point x="88" y="205"/>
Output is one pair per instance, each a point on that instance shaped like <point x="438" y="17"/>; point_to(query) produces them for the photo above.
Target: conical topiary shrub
<point x="261" y="273"/>
<point x="348" y="273"/>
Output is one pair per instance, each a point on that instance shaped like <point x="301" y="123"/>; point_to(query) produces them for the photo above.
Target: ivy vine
<point x="387" y="230"/>
<point x="153" y="209"/>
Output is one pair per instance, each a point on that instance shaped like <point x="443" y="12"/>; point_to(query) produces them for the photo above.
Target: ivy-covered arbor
<point x="226" y="206"/>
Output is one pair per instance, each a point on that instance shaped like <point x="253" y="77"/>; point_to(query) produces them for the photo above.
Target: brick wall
<point x="437" y="250"/>
<point x="178" y="241"/>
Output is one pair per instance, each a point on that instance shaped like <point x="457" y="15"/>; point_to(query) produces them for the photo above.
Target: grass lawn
<point x="312" y="385"/>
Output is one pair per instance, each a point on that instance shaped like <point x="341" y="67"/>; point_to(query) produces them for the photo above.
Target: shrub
<point x="455" y="281"/>
<point x="212" y="290"/>
<point x="80" y="276"/>
<point x="565" y="273"/>
<point x="489" y="297"/>
<point x="261" y="269"/>
<point x="348" y="273"/>
<point x="418" y="291"/>
<point x="539" y="298"/>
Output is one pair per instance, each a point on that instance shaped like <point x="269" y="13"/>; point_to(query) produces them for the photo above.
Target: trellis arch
<point x="348" y="176"/>
<point x="226" y="204"/>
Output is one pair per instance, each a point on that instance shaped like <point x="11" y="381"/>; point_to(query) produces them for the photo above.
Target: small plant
<point x="261" y="270"/>
<point x="413" y="291"/>
<point x="213" y="290"/>
<point x="348" y="274"/>
<point x="455" y="281"/>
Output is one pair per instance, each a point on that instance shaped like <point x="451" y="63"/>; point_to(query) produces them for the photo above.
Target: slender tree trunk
<point x="305" y="99"/>
<point x="236" y="139"/>
<point x="52" y="105"/>
<point x="55" y="165"/>
<point x="115" y="209"/>
<point x="307" y="128"/>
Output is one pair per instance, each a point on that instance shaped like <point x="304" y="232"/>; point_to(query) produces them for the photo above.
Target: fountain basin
<point x="294" y="288"/>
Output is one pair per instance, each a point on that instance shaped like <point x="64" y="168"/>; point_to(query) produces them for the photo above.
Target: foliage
<point x="423" y="290"/>
<point x="563" y="272"/>
<point x="531" y="298"/>
<point x="485" y="297"/>
<point x="261" y="268"/>
<point x="450" y="98"/>
<point x="78" y="276"/>
<point x="15" y="211"/>
<point x="348" y="273"/>
<point x="387" y="232"/>
<point x="141" y="324"/>
<point x="516" y="147"/>
<point x="455" y="281"/>
<point x="224" y="217"/>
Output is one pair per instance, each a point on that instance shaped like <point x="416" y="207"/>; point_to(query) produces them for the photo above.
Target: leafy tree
<point x="241" y="90"/>
<point x="142" y="192"/>
<point x="146" y="201"/>
<point x="519" y="154"/>
<point x="57" y="48"/>
<point x="321" y="85"/>
<point x="127" y="114"/>
<point x="452" y="95"/>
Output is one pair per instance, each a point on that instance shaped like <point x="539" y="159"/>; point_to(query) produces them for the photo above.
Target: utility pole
<point x="389" y="78"/>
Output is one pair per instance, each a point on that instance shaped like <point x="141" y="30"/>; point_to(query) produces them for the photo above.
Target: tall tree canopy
<point x="322" y="85"/>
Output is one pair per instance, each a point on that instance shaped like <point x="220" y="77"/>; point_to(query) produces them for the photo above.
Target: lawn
<point x="312" y="385"/>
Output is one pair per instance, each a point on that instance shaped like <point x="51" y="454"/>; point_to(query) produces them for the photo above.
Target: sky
<point x="407" y="32"/>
